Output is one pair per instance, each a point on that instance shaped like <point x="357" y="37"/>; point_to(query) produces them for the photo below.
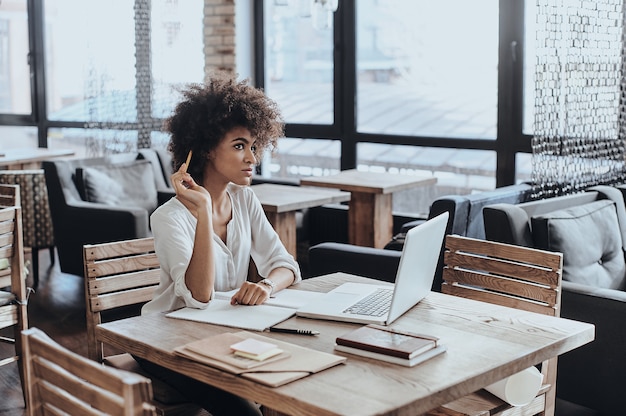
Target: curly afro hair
<point x="208" y="111"/>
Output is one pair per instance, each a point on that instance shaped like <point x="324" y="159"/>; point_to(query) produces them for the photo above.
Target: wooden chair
<point x="36" y="218"/>
<point x="512" y="276"/>
<point x="60" y="381"/>
<point x="13" y="292"/>
<point x="119" y="278"/>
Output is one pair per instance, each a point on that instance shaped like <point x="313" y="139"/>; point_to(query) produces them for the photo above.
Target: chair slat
<point x="122" y="265"/>
<point x="6" y="238"/>
<point x="124" y="281"/>
<point x="123" y="298"/>
<point x="521" y="271"/>
<point x="6" y="251"/>
<point x="118" y="249"/>
<point x="6" y="215"/>
<point x="521" y="288"/>
<point x="497" y="298"/>
<point x="506" y="251"/>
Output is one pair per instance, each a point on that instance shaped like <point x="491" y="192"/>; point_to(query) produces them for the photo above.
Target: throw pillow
<point x="588" y="236"/>
<point x="122" y="184"/>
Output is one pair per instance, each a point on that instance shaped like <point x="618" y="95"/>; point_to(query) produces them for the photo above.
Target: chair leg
<point x="20" y="359"/>
<point x="35" y="264"/>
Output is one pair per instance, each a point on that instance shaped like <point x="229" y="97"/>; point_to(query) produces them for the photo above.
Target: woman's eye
<point x="239" y="146"/>
<point x="253" y="148"/>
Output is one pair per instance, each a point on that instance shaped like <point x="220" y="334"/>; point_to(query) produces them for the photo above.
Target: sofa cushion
<point x="122" y="184"/>
<point x="588" y="236"/>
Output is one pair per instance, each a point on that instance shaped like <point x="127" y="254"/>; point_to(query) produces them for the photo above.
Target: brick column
<point x="219" y="36"/>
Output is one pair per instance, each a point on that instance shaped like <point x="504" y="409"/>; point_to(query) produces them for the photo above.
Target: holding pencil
<point x="188" y="160"/>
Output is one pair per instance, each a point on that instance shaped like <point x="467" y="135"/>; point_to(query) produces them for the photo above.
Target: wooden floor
<point x="58" y="308"/>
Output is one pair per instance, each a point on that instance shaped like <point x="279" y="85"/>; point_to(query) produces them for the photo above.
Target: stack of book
<point x="265" y="360"/>
<point x="390" y="345"/>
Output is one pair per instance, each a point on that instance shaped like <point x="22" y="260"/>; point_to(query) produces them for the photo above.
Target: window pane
<point x="302" y="157"/>
<point x="177" y="50"/>
<point x="440" y="80"/>
<point x="90" y="52"/>
<point x="13" y="137"/>
<point x="523" y="167"/>
<point x="530" y="61"/>
<point x="14" y="70"/>
<point x="93" y="142"/>
<point x="458" y="171"/>
<point x="298" y="63"/>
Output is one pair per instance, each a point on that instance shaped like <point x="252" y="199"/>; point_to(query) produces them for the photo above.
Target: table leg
<point x="370" y="220"/>
<point x="285" y="225"/>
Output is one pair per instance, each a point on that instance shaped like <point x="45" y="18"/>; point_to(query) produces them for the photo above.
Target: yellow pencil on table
<point x="188" y="160"/>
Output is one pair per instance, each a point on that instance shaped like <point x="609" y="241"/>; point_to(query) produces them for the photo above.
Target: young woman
<point x="206" y="235"/>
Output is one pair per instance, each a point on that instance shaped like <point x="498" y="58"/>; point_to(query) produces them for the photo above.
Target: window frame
<point x="509" y="141"/>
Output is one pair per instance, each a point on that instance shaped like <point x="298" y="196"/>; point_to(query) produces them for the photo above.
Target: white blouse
<point x="249" y="233"/>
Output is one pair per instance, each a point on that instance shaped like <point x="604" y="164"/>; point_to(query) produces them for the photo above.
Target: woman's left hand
<point x="251" y="294"/>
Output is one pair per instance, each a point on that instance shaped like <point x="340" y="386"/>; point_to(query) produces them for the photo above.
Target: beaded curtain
<point x="112" y="111"/>
<point x="579" y="105"/>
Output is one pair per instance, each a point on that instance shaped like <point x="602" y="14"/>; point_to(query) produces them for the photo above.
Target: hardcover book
<point x="420" y="358"/>
<point x="388" y="341"/>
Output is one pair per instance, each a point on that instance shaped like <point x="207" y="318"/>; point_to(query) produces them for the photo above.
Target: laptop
<point x="414" y="280"/>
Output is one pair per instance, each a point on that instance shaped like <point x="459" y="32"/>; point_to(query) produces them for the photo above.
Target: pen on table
<point x="294" y="331"/>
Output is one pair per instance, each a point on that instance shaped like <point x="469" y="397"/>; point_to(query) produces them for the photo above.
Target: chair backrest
<point x="12" y="270"/>
<point x="9" y="195"/>
<point x="37" y="221"/>
<point x="117" y="275"/>
<point x="13" y="308"/>
<point x="508" y="275"/>
<point x="60" y="381"/>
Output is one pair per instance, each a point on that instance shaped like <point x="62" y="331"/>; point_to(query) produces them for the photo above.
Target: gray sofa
<point x="590" y="230"/>
<point x="96" y="200"/>
<point x="465" y="219"/>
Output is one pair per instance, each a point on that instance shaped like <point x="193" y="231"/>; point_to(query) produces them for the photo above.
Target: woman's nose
<point x="250" y="156"/>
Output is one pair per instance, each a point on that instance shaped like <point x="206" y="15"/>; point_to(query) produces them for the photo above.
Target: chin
<point x="244" y="182"/>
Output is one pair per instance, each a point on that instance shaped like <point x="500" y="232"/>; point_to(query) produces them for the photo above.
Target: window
<point x="15" y="91"/>
<point x="418" y="89"/>
<point x="427" y="68"/>
<point x="298" y="63"/>
<point x="90" y="67"/>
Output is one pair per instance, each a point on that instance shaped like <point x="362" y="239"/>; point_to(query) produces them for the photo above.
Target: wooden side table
<point x="31" y="158"/>
<point x="370" y="217"/>
<point x="280" y="203"/>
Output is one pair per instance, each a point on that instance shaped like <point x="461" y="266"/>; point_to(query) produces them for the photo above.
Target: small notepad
<point x="255" y="349"/>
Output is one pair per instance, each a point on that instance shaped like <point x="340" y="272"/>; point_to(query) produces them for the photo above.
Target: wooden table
<point x="485" y="343"/>
<point x="370" y="218"/>
<point x="30" y="158"/>
<point x="280" y="203"/>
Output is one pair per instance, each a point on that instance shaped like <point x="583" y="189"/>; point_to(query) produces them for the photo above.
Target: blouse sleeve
<point x="173" y="239"/>
<point x="267" y="251"/>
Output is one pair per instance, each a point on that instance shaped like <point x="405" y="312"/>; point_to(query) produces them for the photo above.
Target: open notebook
<point x="352" y="302"/>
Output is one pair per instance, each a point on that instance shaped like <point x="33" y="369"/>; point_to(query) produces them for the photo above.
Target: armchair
<point x="465" y="219"/>
<point x="103" y="199"/>
<point x="589" y="229"/>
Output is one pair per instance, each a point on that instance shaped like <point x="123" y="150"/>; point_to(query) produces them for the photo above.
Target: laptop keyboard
<point x="376" y="304"/>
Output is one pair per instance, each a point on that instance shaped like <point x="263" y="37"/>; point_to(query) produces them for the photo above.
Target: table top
<point x="30" y="155"/>
<point x="283" y="198"/>
<point x="485" y="344"/>
<point x="369" y="182"/>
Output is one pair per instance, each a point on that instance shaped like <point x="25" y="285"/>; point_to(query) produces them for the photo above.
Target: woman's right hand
<point x="195" y="197"/>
